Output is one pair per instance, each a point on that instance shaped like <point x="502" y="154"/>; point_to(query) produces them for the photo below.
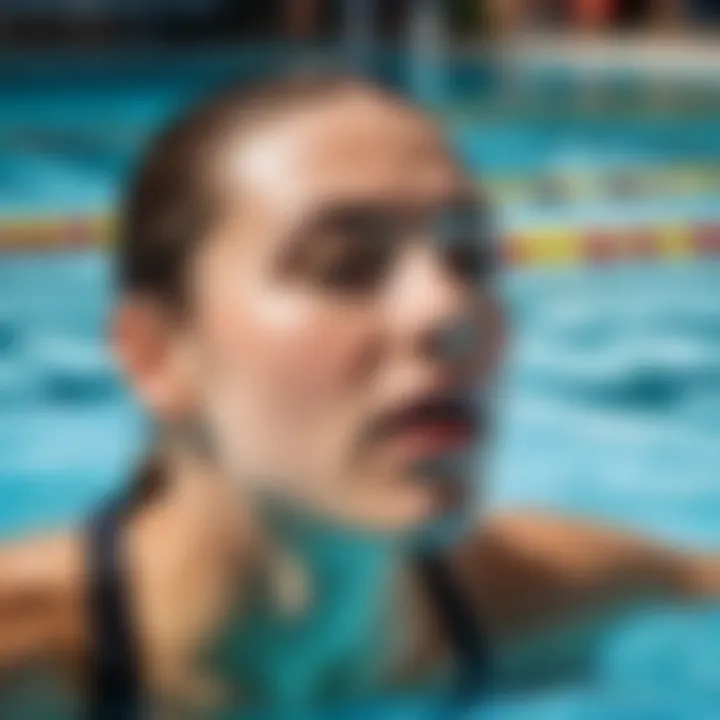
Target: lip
<point x="432" y="425"/>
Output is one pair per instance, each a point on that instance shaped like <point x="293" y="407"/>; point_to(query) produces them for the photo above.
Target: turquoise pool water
<point x="609" y="408"/>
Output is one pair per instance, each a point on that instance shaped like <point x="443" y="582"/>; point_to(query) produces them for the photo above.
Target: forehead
<point x="356" y="147"/>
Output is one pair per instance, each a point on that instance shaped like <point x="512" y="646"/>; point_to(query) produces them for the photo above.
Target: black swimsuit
<point x="115" y="680"/>
<point x="116" y="685"/>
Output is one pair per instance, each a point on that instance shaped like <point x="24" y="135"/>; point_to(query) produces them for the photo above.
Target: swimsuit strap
<point x="115" y="688"/>
<point x="460" y="621"/>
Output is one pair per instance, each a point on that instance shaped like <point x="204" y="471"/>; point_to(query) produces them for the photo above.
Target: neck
<point x="344" y="584"/>
<point x="327" y="546"/>
<point x="322" y="548"/>
<point x="323" y="600"/>
<point x="329" y="566"/>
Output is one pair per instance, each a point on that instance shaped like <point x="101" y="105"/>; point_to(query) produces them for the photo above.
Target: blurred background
<point x="594" y="127"/>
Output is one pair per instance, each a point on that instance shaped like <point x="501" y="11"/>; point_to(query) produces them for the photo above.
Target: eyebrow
<point x="346" y="212"/>
<point x="349" y="211"/>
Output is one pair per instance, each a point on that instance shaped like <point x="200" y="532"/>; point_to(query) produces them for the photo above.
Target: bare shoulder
<point x="185" y="558"/>
<point x="533" y="569"/>
<point x="530" y="568"/>
<point x="41" y="598"/>
<point x="500" y="563"/>
<point x="185" y="550"/>
<point x="42" y="564"/>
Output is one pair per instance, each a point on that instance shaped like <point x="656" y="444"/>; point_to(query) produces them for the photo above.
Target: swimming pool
<point x="610" y="405"/>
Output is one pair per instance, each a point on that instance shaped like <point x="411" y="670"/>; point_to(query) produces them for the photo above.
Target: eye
<point x="354" y="267"/>
<point x="471" y="260"/>
<point x="466" y="242"/>
<point x="352" y="256"/>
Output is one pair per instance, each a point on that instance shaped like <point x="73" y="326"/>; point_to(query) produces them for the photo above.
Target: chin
<point x="432" y="514"/>
<point x="445" y="530"/>
<point x="432" y="499"/>
<point x="452" y="496"/>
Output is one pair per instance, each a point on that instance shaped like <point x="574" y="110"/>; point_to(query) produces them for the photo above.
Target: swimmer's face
<point x="342" y="316"/>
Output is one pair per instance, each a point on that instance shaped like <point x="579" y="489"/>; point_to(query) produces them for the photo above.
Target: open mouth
<point x="433" y="426"/>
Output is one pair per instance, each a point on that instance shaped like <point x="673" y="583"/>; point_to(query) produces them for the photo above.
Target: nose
<point x="432" y="311"/>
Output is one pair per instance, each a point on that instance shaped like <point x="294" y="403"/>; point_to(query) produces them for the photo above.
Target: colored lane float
<point x="537" y="246"/>
<point x="561" y="246"/>
<point x="54" y="233"/>
<point x="622" y="184"/>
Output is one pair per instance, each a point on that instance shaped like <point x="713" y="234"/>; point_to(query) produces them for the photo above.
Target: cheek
<point x="309" y="356"/>
<point x="291" y="371"/>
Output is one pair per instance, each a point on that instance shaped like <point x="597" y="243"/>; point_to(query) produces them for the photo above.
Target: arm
<point x="41" y="601"/>
<point x="530" y="572"/>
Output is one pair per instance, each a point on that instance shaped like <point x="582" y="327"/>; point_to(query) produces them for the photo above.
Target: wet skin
<point x="341" y="331"/>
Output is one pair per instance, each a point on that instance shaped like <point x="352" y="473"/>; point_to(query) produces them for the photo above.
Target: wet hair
<point x="174" y="196"/>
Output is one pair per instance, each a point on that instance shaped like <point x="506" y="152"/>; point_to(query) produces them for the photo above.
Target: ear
<point x="151" y="350"/>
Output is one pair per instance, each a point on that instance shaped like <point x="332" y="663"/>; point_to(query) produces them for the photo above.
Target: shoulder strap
<point x="115" y="680"/>
<point x="460" y="621"/>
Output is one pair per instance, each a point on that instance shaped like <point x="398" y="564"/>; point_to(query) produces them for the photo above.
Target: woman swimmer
<point x="307" y="311"/>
